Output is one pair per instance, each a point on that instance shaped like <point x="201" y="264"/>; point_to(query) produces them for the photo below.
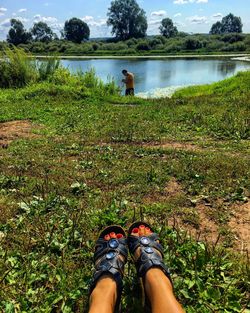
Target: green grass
<point x="233" y="86"/>
<point x="95" y="161"/>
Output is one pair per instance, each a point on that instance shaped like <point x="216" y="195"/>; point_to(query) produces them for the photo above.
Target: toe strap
<point x="151" y="254"/>
<point x="150" y="259"/>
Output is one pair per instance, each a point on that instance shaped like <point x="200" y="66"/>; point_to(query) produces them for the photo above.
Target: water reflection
<point x="226" y="68"/>
<point x="151" y="74"/>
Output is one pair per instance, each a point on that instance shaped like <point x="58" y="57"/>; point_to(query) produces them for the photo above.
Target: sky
<point x="192" y="16"/>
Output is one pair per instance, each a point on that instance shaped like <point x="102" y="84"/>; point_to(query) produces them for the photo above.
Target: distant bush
<point x="214" y="45"/>
<point x="231" y="38"/>
<point x="192" y="44"/>
<point x="174" y="47"/>
<point x="238" y="46"/>
<point x="37" y="47"/>
<point x="131" y="42"/>
<point x="95" y="46"/>
<point x="114" y="46"/>
<point x="156" y="42"/>
<point x="143" y="46"/>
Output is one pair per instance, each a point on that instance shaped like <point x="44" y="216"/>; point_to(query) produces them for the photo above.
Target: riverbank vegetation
<point x="155" y="45"/>
<point x="77" y="156"/>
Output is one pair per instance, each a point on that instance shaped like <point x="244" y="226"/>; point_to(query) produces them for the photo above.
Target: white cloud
<point x="159" y="13"/>
<point x="217" y="16"/>
<point x="22" y="19"/>
<point x="87" y="18"/>
<point x="22" y="10"/>
<point x="98" y="27"/>
<point x="197" y="19"/>
<point x="50" y="20"/>
<point x="5" y="23"/>
<point x="45" y="19"/>
<point x="2" y="11"/>
<point x="154" y="22"/>
<point x="177" y="15"/>
<point x="98" y="23"/>
<point x="189" y="1"/>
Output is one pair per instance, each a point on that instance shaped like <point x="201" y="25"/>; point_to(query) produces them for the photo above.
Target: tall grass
<point x="47" y="68"/>
<point x="16" y="69"/>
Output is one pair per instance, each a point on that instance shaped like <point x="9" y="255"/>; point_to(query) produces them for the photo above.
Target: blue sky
<point x="188" y="15"/>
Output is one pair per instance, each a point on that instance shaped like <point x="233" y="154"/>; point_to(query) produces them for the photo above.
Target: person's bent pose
<point x="110" y="257"/>
<point x="130" y="83"/>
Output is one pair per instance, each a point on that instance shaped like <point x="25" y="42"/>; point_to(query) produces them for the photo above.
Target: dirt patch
<point x="172" y="190"/>
<point x="173" y="145"/>
<point x="10" y="131"/>
<point x="240" y="225"/>
<point x="204" y="229"/>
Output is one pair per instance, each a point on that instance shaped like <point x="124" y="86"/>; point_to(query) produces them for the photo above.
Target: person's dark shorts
<point x="130" y="92"/>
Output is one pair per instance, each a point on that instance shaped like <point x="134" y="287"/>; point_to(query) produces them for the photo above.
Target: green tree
<point x="127" y="19"/>
<point x="229" y="24"/>
<point x="216" y="29"/>
<point x="76" y="30"/>
<point x="167" y="28"/>
<point x="17" y="34"/>
<point x="42" y="32"/>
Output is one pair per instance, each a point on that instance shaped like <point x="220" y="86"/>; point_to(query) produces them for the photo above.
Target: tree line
<point x="126" y="19"/>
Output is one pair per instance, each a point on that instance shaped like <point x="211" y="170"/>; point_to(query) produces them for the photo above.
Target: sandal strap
<point x="150" y="256"/>
<point x="149" y="241"/>
<point x="103" y="247"/>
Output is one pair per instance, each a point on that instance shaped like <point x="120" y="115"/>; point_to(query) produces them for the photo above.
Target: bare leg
<point x="157" y="286"/>
<point x="160" y="293"/>
<point x="103" y="297"/>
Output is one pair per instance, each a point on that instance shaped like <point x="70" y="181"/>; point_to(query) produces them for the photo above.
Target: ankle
<point x="103" y="297"/>
<point x="156" y="277"/>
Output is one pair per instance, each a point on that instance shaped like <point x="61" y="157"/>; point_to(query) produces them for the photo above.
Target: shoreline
<point x="238" y="57"/>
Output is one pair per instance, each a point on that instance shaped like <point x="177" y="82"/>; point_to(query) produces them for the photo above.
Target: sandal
<point x="151" y="254"/>
<point x="110" y="257"/>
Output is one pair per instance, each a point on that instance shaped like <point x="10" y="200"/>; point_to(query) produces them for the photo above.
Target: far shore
<point x="240" y="57"/>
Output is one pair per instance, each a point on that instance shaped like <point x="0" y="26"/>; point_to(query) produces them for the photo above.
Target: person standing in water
<point x="130" y="83"/>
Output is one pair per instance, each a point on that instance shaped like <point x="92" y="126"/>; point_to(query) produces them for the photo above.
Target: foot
<point x="146" y="251"/>
<point x="110" y="257"/>
<point x="141" y="231"/>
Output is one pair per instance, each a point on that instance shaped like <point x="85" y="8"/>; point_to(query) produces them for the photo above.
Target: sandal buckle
<point x="144" y="241"/>
<point x="113" y="243"/>
<point x="110" y="255"/>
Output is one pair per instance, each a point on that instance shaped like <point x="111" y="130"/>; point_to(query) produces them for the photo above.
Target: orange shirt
<point x="130" y="82"/>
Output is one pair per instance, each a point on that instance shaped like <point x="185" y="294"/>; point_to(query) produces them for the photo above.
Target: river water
<point x="161" y="77"/>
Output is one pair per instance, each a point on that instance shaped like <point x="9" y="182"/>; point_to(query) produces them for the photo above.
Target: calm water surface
<point x="152" y="75"/>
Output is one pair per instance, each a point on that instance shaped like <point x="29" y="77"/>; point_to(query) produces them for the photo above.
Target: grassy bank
<point x="92" y="158"/>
